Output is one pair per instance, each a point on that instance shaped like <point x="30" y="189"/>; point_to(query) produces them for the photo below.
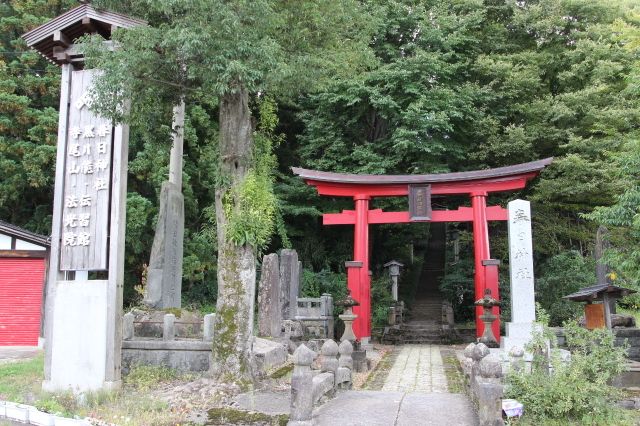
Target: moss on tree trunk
<point x="236" y="263"/>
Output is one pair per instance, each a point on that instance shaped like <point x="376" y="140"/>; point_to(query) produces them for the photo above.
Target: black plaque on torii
<point x="420" y="203"/>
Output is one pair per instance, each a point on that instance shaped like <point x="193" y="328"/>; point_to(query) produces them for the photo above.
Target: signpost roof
<point x="60" y="32"/>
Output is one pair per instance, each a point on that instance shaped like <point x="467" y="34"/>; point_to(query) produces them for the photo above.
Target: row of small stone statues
<point x="309" y="386"/>
<point x="485" y="370"/>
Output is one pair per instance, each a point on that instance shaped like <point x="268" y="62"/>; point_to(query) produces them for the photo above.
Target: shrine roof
<point x="23" y="234"/>
<point x="66" y="28"/>
<point x="596" y="292"/>
<point x="475" y="175"/>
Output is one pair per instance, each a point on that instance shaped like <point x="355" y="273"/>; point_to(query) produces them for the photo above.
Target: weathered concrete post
<point x="269" y="310"/>
<point x="164" y="281"/>
<point x="128" y="329"/>
<point x="169" y="327"/>
<point x="326" y="311"/>
<point x="523" y="314"/>
<point x="301" y="387"/>
<point x="345" y="364"/>
<point x="490" y="391"/>
<point x="329" y="360"/>
<point x="208" y="331"/>
<point x="83" y="344"/>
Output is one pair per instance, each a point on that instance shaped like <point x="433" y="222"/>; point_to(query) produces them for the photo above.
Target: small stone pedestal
<point x="359" y="356"/>
<point x="487" y="317"/>
<point x="359" y="353"/>
<point x="348" y="317"/>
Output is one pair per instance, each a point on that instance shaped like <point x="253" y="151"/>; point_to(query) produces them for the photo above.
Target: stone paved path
<point x="414" y="393"/>
<point x="418" y="368"/>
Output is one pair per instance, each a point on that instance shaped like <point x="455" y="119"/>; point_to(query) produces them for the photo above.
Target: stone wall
<point x="188" y="354"/>
<point x="630" y="335"/>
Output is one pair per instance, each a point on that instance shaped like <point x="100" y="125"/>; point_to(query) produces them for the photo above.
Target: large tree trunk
<point x="236" y="264"/>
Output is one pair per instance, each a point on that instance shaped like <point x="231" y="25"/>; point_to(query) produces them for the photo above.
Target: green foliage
<point x="315" y="284"/>
<point x="575" y="391"/>
<point x="381" y="300"/>
<point x="559" y="276"/>
<point x="252" y="218"/>
<point x="20" y="378"/>
<point x="624" y="217"/>
<point x="29" y="91"/>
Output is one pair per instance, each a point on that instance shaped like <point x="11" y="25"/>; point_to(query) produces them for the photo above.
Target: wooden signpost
<point x="83" y="312"/>
<point x="87" y="181"/>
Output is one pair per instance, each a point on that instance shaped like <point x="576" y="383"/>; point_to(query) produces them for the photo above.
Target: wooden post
<point x="480" y="251"/>
<point x="362" y="326"/>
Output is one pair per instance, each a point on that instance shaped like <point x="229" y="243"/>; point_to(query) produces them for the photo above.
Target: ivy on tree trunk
<point x="236" y="263"/>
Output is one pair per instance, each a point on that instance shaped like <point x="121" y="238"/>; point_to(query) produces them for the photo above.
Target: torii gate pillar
<point x="361" y="288"/>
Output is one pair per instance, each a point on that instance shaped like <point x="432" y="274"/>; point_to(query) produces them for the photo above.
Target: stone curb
<point x="32" y="416"/>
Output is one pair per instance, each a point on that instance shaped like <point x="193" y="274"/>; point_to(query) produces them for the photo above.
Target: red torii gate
<point x="477" y="184"/>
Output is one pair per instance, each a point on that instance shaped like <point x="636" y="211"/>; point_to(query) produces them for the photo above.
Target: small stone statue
<point x="487" y="317"/>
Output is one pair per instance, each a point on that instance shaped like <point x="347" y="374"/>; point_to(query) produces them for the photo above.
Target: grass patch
<point x="375" y="380"/>
<point x="143" y="377"/>
<point x="231" y="416"/>
<point x="20" y="381"/>
<point x="134" y="405"/>
<point x="282" y="372"/>
<point x="453" y="371"/>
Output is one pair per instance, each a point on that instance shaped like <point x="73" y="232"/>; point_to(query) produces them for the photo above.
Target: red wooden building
<point x="23" y="264"/>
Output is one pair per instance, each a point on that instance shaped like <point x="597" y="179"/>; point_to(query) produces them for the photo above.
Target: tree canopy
<point x="392" y="86"/>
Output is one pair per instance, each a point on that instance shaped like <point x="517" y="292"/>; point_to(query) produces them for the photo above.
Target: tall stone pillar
<point x="269" y="310"/>
<point x="164" y="279"/>
<point x="523" y="312"/>
<point x="289" y="282"/>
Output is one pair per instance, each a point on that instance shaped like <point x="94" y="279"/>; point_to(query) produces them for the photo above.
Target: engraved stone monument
<point x="269" y="310"/>
<point x="164" y="283"/>
<point x="523" y="312"/>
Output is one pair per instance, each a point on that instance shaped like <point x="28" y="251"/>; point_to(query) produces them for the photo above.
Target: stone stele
<point x="523" y="314"/>
<point x="269" y="310"/>
<point x="164" y="280"/>
<point x="289" y="282"/>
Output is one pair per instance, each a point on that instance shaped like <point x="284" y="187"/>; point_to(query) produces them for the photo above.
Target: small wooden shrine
<point x="599" y="300"/>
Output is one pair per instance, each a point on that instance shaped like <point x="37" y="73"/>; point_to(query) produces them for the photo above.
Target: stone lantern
<point x="394" y="271"/>
<point x="348" y="316"/>
<point x="487" y="317"/>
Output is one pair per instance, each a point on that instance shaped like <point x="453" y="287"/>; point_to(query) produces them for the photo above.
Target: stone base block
<point x="360" y="363"/>
<point x="268" y="354"/>
<point x="79" y="341"/>
<point x="517" y="334"/>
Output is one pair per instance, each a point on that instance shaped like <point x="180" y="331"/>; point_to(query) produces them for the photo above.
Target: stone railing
<point x="309" y="386"/>
<point x="188" y="354"/>
<point x="179" y="353"/>
<point x="168" y="327"/>
<point x="316" y="315"/>
<point x="484" y="373"/>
